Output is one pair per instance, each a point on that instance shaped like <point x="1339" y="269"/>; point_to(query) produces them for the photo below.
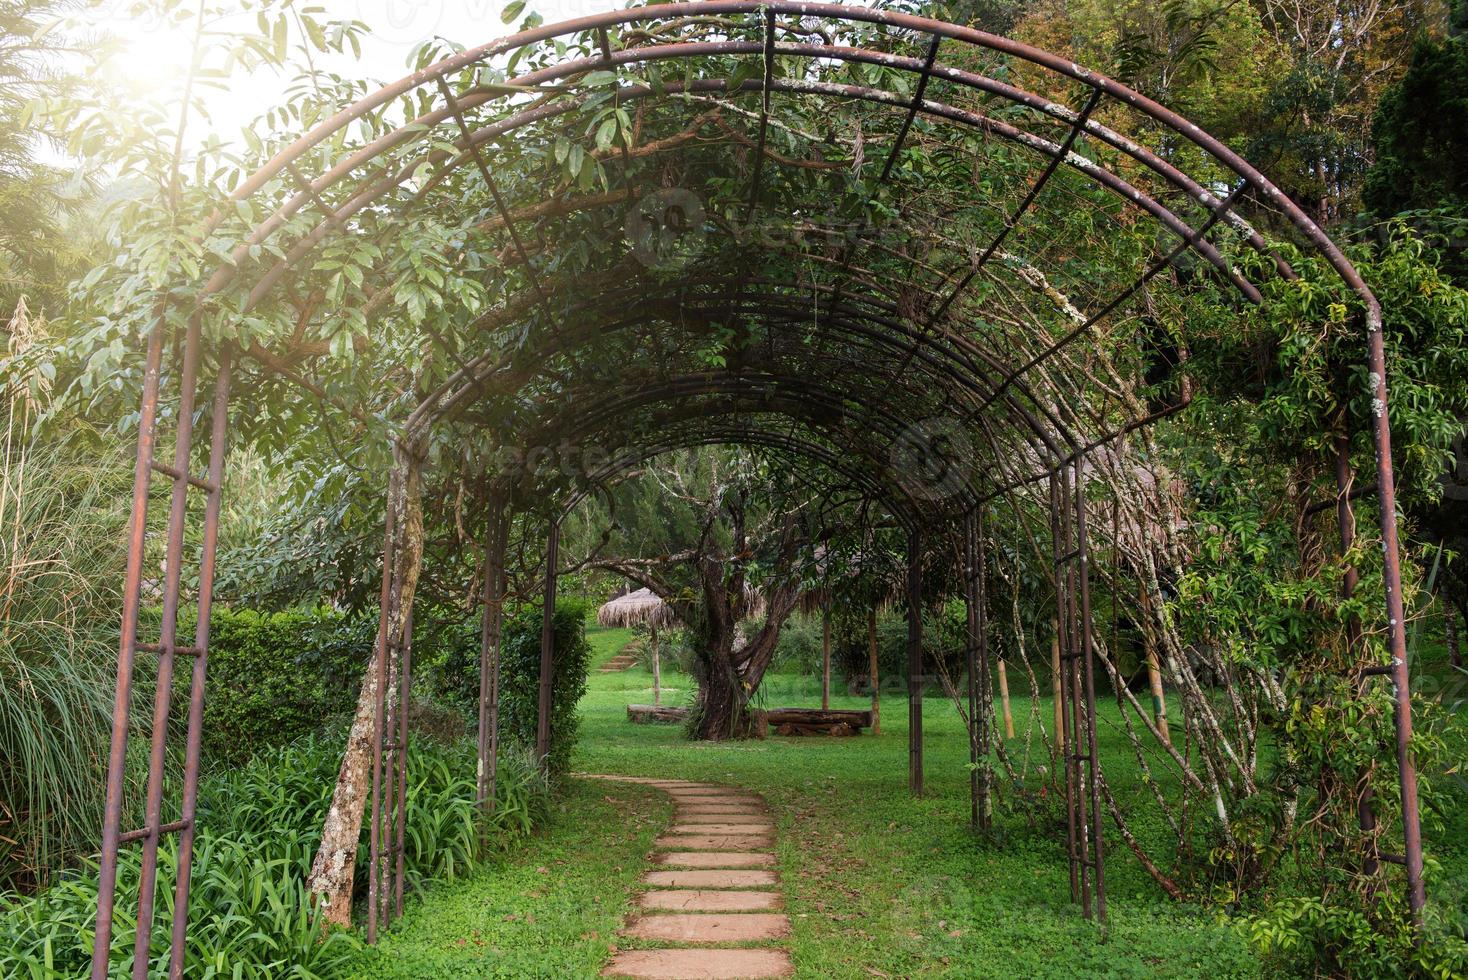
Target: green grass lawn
<point x="878" y="884"/>
<point x="605" y="643"/>
<point x="550" y="907"/>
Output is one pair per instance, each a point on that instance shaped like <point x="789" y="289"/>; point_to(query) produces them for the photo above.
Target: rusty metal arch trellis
<point x="368" y="186"/>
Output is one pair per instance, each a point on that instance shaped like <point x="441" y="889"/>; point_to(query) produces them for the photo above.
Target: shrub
<point x="520" y="678"/>
<point x="275" y="677"/>
<point x="798" y="650"/>
<point x="1306" y="935"/>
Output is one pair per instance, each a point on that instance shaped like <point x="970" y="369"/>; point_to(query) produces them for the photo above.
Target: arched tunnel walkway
<point x="830" y="233"/>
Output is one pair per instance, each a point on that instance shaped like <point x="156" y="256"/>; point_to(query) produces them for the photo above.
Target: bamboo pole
<point x="1004" y="700"/>
<point x="1154" y="674"/>
<point x="657" y="673"/>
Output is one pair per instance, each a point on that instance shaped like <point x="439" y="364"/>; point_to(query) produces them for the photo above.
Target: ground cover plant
<point x="250" y="912"/>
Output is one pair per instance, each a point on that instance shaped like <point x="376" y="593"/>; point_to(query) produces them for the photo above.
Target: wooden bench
<point x="816" y="721"/>
<point x="779" y="721"/>
<point x="644" y="714"/>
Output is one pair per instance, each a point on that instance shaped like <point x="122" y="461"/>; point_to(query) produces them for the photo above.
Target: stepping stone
<point x="711" y="927"/>
<point x="715" y="859"/>
<point x="713" y="842"/>
<point x="709" y="900"/>
<point x="718" y="806"/>
<point x="700" y="964"/>
<point x="618" y="779"/>
<point x="715" y="819"/>
<point x="691" y="791"/>
<point x="763" y="827"/>
<point x="710" y="879"/>
<point x="725" y="801"/>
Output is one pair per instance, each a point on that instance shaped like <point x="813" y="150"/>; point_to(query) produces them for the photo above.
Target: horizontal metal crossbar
<point x="144" y="832"/>
<point x="197" y="482"/>
<point x="189" y="651"/>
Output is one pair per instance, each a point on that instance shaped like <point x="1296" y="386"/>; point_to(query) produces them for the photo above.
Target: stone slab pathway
<point x="712" y="909"/>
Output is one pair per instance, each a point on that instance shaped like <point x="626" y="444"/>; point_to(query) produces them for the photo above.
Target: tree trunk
<point x="333" y="870"/>
<point x="732" y="676"/>
<point x="725" y="710"/>
<point x="876" y="685"/>
<point x="1154" y="677"/>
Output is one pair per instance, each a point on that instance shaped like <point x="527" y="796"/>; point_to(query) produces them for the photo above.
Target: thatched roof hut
<point x="635" y="609"/>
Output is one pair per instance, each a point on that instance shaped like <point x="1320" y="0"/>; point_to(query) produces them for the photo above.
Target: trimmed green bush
<point x="276" y="677"/>
<point x="520" y="678"/>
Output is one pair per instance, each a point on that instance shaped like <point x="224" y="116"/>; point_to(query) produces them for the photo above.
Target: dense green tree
<point x="1420" y="136"/>
<point x="38" y="251"/>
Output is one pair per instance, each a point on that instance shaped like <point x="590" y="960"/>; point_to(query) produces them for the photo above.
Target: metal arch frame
<point x="960" y="377"/>
<point x="768" y="393"/>
<point x="903" y="511"/>
<point x="359" y="201"/>
<point x="442" y="405"/>
<point x="167" y="649"/>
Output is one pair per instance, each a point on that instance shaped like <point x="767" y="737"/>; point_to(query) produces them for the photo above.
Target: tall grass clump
<point x="250" y="913"/>
<point x="63" y="521"/>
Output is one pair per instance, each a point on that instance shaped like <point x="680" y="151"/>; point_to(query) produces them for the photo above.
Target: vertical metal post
<point x="1087" y="667"/>
<point x="826" y="656"/>
<point x="400" y="761"/>
<point x="384" y="615"/>
<point x="915" y="663"/>
<point x="218" y="447"/>
<point x="979" y="699"/>
<point x="1346" y="521"/>
<point x="872" y="668"/>
<point x="971" y="665"/>
<point x="547" y="647"/>
<point x="172" y="582"/>
<point x="987" y="728"/>
<point x="1061" y="662"/>
<point x="1396" y="623"/>
<point x="489" y="657"/>
<point x="127" y="654"/>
